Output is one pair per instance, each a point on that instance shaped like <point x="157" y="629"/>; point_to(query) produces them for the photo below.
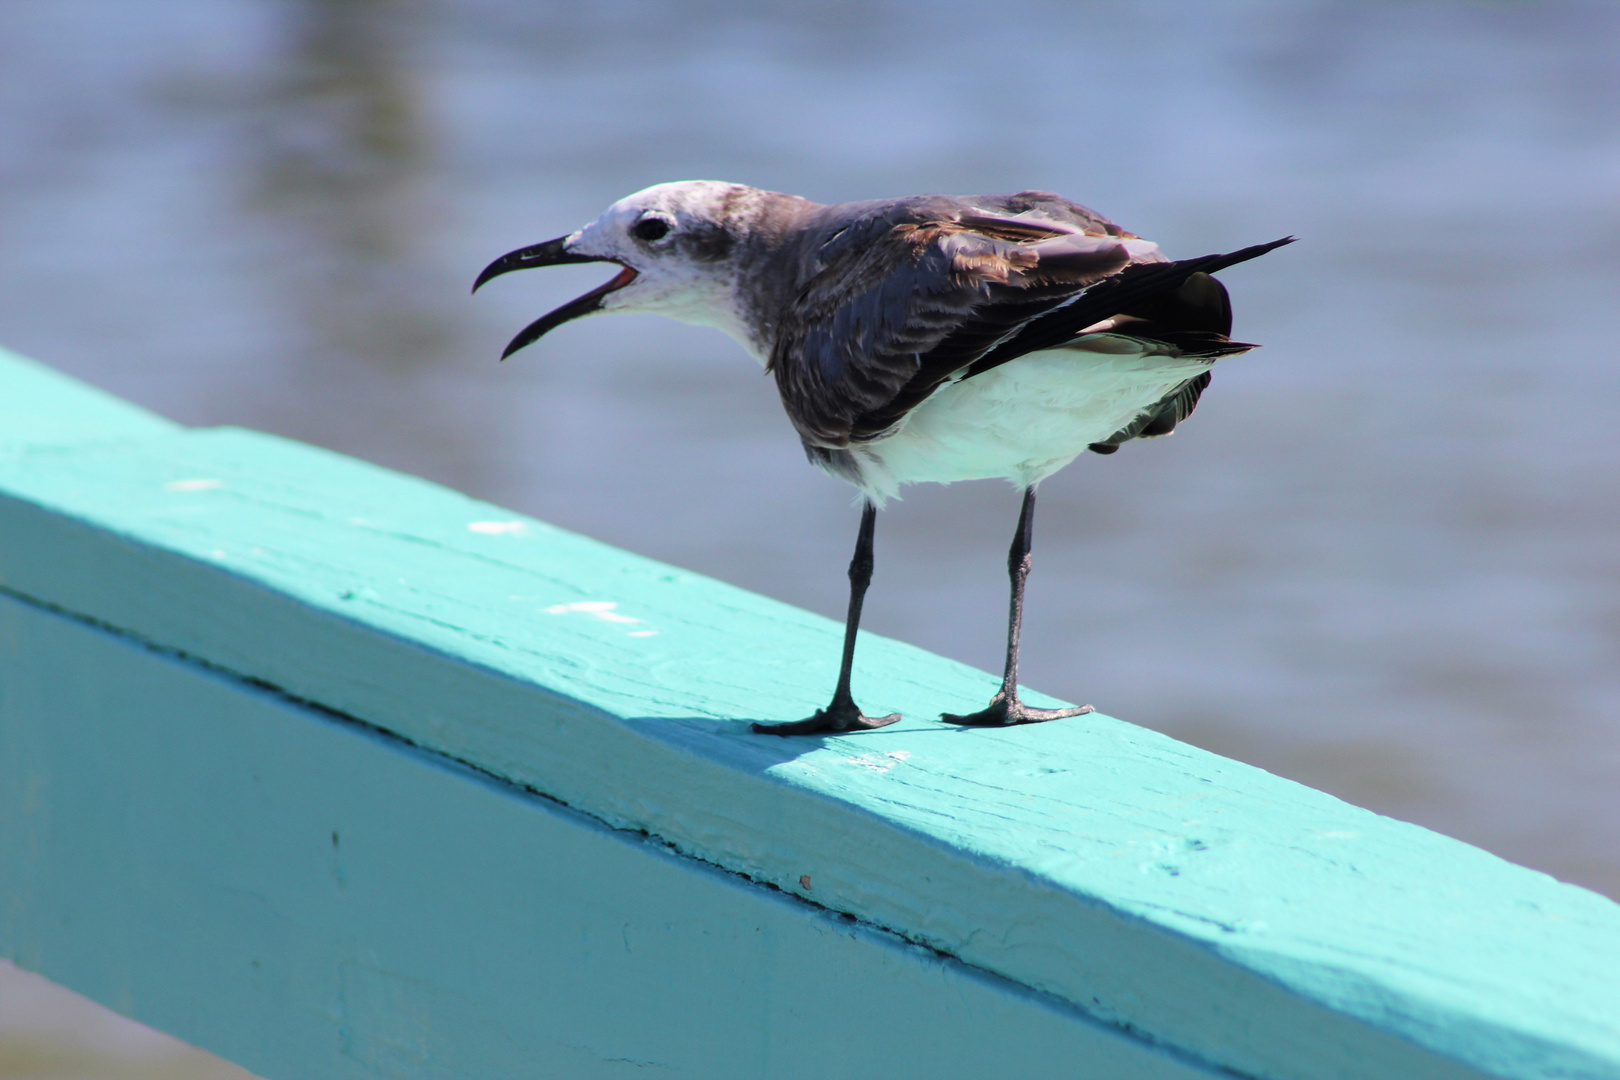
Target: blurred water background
<point x="1382" y="559"/>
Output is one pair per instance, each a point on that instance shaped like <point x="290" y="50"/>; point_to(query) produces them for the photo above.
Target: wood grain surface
<point x="1193" y="903"/>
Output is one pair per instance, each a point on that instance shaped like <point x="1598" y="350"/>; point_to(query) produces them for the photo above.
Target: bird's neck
<point x="727" y="315"/>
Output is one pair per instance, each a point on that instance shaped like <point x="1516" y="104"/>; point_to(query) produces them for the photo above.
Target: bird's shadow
<point x="734" y="742"/>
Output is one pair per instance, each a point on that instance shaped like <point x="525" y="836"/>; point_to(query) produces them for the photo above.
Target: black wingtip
<point x="1245" y="254"/>
<point x="1211" y="264"/>
<point x="1136" y="290"/>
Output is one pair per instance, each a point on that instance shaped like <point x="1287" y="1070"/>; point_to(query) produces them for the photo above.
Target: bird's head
<point x="676" y="245"/>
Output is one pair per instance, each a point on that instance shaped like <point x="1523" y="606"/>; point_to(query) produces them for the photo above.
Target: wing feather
<point x="897" y="299"/>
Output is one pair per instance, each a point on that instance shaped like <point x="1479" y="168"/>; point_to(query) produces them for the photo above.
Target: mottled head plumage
<point x="679" y="246"/>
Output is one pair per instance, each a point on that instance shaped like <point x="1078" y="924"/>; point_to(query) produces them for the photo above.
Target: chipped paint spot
<point x="879" y="764"/>
<point x="804" y="882"/>
<point x="199" y="484"/>
<point x="602" y="609"/>
<point x="498" y="528"/>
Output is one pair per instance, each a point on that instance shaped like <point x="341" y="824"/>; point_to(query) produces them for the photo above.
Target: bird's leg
<point x="1005" y="709"/>
<point x="842" y="714"/>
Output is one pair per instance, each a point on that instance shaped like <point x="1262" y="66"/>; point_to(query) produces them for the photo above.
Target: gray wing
<point x="1044" y="206"/>
<point x="899" y="297"/>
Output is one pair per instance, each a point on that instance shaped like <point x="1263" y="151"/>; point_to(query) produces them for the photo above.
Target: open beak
<point x="552" y="253"/>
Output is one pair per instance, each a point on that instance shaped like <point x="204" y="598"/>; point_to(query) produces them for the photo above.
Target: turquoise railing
<point x="338" y="773"/>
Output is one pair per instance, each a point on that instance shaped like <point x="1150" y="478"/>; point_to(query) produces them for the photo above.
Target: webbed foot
<point x="839" y="718"/>
<point x="1003" y="713"/>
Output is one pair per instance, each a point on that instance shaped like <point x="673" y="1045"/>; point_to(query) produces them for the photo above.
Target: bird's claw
<point x="835" y="719"/>
<point x="1003" y="713"/>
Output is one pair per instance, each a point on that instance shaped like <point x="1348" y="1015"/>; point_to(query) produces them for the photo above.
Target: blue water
<point x="1380" y="559"/>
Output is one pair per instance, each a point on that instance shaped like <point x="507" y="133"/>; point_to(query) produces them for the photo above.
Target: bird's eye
<point x="650" y="229"/>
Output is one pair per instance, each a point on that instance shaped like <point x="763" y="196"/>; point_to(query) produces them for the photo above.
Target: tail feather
<point x="1178" y="298"/>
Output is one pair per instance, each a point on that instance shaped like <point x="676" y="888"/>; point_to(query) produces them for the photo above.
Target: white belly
<point x="1026" y="419"/>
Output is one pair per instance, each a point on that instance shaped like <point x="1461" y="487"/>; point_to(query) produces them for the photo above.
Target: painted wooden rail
<point x="338" y="773"/>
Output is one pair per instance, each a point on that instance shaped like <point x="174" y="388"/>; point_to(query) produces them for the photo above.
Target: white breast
<point x="1025" y="420"/>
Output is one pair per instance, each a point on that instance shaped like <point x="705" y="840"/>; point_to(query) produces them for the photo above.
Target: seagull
<point x="933" y="338"/>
